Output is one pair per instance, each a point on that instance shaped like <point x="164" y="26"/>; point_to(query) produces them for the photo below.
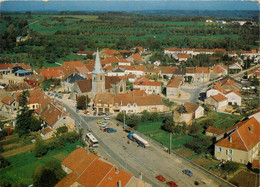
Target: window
<point x="101" y="77"/>
<point x="128" y="105"/>
<point x="116" y="105"/>
<point x="231" y="151"/>
<point x="217" y="149"/>
<point x="121" y="89"/>
<point x="227" y="151"/>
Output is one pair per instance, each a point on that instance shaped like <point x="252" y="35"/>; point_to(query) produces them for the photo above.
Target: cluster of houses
<point x="51" y="114"/>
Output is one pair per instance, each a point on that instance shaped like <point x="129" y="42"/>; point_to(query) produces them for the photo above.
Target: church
<point x="99" y="83"/>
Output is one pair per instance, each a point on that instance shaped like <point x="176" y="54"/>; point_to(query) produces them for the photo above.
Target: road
<point x="150" y="162"/>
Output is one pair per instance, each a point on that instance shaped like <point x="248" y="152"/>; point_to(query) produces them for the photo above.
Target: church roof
<point x="98" y="68"/>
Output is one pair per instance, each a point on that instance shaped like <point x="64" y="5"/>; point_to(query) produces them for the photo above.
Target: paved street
<point x="150" y="161"/>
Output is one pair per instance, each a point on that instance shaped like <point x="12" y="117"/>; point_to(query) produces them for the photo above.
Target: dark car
<point x="172" y="184"/>
<point x="106" y="129"/>
<point x="160" y="178"/>
<point x="101" y="113"/>
<point x="187" y="172"/>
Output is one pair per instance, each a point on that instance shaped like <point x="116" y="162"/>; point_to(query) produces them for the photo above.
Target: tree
<point x="230" y="166"/>
<point x="194" y="128"/>
<point x="168" y="125"/>
<point x="133" y="121"/>
<point x="62" y="130"/>
<point x="154" y="116"/>
<point x="81" y="102"/>
<point x="40" y="149"/>
<point x="35" y="124"/>
<point x="145" y="115"/>
<point x="199" y="144"/>
<point x="181" y="109"/>
<point x="120" y="116"/>
<point x="23" y="119"/>
<point x="49" y="174"/>
<point x="208" y="122"/>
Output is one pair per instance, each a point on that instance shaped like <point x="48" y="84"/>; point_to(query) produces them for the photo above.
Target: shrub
<point x="168" y="125"/>
<point x="133" y="121"/>
<point x="199" y="144"/>
<point x="72" y="137"/>
<point x="40" y="148"/>
<point x="194" y="128"/>
<point x="62" y="130"/>
<point x="4" y="162"/>
<point x="154" y="116"/>
<point x="230" y="166"/>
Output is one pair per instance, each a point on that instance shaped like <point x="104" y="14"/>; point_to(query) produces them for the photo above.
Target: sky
<point x="125" y="5"/>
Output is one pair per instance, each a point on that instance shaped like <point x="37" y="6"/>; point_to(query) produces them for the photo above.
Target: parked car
<point x="111" y="130"/>
<point x="160" y="178"/>
<point x="187" y="172"/>
<point x="106" y="129"/>
<point x="101" y="113"/>
<point x="104" y="124"/>
<point x="56" y="95"/>
<point x="100" y="121"/>
<point x="172" y="184"/>
<point x="86" y="112"/>
<point x="107" y="118"/>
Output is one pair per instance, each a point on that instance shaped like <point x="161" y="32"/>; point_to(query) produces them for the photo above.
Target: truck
<point x="134" y="137"/>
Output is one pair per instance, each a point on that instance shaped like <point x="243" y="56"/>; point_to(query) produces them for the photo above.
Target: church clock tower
<point x="98" y="77"/>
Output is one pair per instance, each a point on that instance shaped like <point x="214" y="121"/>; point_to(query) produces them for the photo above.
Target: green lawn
<point x="152" y="129"/>
<point x="24" y="165"/>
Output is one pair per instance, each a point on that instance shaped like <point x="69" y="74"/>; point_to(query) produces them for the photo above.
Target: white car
<point x="107" y="118"/>
<point x="104" y="124"/>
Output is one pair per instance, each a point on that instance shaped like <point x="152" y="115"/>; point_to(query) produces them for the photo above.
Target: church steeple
<point x="98" y="68"/>
<point x="98" y="77"/>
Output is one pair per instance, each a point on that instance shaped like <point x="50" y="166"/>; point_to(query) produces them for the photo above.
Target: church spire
<point x="98" y="68"/>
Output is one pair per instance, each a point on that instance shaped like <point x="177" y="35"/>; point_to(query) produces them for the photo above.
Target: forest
<point x="56" y="37"/>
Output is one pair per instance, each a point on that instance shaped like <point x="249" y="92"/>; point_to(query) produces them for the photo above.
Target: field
<point x="154" y="131"/>
<point x="24" y="165"/>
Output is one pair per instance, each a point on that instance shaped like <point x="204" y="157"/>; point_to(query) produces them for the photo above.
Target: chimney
<point x="119" y="183"/>
<point x="230" y="139"/>
<point x="116" y="170"/>
<point x="251" y="129"/>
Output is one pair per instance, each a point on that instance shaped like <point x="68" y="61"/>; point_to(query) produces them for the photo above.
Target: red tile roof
<point x="183" y="55"/>
<point x="86" y="52"/>
<point x="219" y="97"/>
<point x="84" y="85"/>
<point x="143" y="81"/>
<point x="214" y="130"/>
<point x="175" y="82"/>
<point x="8" y="100"/>
<point x="191" y="107"/>
<point x="109" y="52"/>
<point x="202" y="70"/>
<point x="73" y="64"/>
<point x="242" y="137"/>
<point x="46" y="130"/>
<point x="136" y="56"/>
<point x="68" y="180"/>
<point x="256" y="164"/>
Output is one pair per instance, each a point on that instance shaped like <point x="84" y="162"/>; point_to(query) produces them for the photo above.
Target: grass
<point x="153" y="130"/>
<point x="24" y="165"/>
<point x="221" y="120"/>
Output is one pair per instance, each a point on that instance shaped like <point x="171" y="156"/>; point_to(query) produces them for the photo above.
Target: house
<point x="9" y="105"/>
<point x="17" y="87"/>
<point x="217" y="102"/>
<point x="256" y="115"/>
<point x="116" y="72"/>
<point x="54" y="116"/>
<point x="125" y="63"/>
<point x="150" y="87"/>
<point x="34" y="80"/>
<point x="218" y="71"/>
<point x="192" y="111"/>
<point x="106" y="52"/>
<point x="197" y="74"/>
<point x="235" y="68"/>
<point x="173" y="87"/>
<point x="135" y="58"/>
<point x="172" y="51"/>
<point x="139" y="50"/>
<point x="166" y="72"/>
<point x="229" y="83"/>
<point x="86" y="169"/>
<point x="212" y="131"/>
<point x="133" y="102"/>
<point x="137" y="70"/>
<point x="182" y="57"/>
<point x="233" y="96"/>
<point x="68" y="82"/>
<point x="157" y="63"/>
<point x="240" y="143"/>
<point x="15" y="75"/>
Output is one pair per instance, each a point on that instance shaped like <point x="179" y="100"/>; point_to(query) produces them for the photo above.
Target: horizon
<point x="130" y="6"/>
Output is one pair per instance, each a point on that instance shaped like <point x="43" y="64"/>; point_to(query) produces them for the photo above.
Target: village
<point x="115" y="82"/>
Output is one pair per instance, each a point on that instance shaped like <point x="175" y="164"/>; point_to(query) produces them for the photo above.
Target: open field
<point x="24" y="165"/>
